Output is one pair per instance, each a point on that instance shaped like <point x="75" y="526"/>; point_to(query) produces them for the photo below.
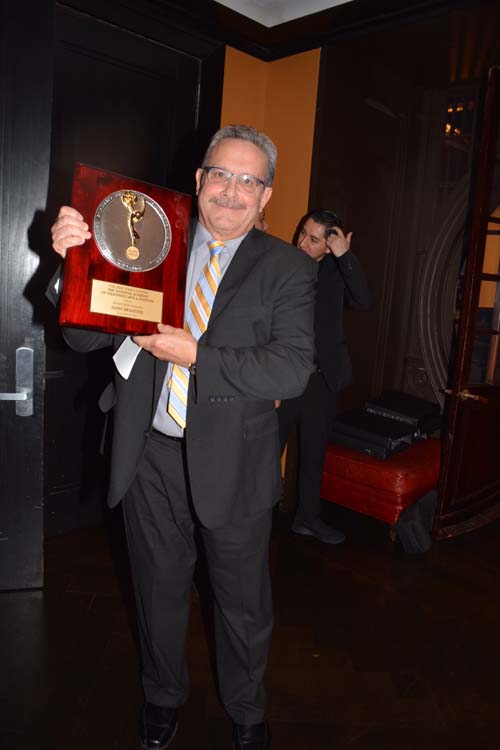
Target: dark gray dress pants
<point x="160" y="523"/>
<point x="312" y="413"/>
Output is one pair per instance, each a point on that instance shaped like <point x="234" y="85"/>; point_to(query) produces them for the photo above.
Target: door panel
<point x="470" y="480"/>
<point x="25" y="61"/>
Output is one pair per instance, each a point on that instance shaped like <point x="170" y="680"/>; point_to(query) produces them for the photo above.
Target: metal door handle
<point x="465" y="394"/>
<point x="24" y="383"/>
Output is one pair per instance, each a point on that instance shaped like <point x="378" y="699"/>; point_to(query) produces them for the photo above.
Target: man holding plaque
<point x="195" y="441"/>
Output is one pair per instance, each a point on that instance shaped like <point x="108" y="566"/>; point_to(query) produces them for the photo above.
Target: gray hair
<point x="252" y="135"/>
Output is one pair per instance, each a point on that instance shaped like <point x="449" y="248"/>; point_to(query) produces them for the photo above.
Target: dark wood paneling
<point x="123" y="103"/>
<point x="182" y="26"/>
<point x="199" y="27"/>
<point x="359" y="170"/>
<point x="213" y="21"/>
<point x="379" y="160"/>
<point x="131" y="103"/>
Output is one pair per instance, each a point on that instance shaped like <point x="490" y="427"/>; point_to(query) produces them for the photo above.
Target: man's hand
<point x="69" y="230"/>
<point x="337" y="243"/>
<point x="170" y="345"/>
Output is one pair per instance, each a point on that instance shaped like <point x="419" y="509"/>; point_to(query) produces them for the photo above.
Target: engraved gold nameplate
<point x="131" y="274"/>
<point x="125" y="301"/>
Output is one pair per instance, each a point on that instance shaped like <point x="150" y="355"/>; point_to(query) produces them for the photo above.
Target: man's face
<point x="312" y="240"/>
<point x="227" y="211"/>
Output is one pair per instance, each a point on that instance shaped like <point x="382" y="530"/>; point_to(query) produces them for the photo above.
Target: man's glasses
<point x="220" y="177"/>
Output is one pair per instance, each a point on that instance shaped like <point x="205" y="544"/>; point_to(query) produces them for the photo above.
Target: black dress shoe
<point x="320" y="531"/>
<point x="158" y="726"/>
<point x="252" y="736"/>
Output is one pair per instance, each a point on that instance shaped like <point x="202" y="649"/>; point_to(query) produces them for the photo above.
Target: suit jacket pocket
<point x="260" y="425"/>
<point x="108" y="398"/>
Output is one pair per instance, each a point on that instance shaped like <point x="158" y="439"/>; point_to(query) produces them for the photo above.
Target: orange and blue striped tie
<point x="197" y="317"/>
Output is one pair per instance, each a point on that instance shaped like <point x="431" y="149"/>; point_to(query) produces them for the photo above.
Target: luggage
<point x="423" y="415"/>
<point x="414" y="525"/>
<point x="376" y="435"/>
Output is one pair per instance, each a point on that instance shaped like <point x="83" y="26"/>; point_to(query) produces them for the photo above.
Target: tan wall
<point x="279" y="98"/>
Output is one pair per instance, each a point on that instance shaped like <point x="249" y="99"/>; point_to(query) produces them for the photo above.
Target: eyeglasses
<point x="219" y="176"/>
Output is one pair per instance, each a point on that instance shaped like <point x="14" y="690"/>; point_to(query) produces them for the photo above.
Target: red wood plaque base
<point x="87" y="270"/>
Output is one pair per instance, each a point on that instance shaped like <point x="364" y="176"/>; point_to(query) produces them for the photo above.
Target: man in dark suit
<point x="221" y="471"/>
<point x="341" y="281"/>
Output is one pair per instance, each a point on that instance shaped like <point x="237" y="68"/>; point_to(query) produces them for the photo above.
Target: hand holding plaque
<point x="130" y="275"/>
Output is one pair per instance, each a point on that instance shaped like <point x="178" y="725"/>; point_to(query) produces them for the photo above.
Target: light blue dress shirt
<point x="198" y="259"/>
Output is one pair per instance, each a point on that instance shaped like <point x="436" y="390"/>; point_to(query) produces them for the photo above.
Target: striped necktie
<point x="197" y="317"/>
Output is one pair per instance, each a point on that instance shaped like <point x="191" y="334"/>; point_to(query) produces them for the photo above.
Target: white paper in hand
<point x="125" y="356"/>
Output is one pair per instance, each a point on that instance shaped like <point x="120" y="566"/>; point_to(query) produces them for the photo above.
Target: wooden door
<point x="470" y="476"/>
<point x="25" y="102"/>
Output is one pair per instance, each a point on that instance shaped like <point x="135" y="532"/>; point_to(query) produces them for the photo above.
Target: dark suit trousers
<point x="312" y="413"/>
<point x="160" y="525"/>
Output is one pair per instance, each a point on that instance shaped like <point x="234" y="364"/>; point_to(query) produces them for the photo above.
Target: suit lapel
<point x="246" y="257"/>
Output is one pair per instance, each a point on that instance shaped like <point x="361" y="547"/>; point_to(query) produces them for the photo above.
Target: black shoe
<point x="158" y="726"/>
<point x="321" y="531"/>
<point x="252" y="736"/>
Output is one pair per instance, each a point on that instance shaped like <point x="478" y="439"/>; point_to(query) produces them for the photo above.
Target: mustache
<point x="226" y="202"/>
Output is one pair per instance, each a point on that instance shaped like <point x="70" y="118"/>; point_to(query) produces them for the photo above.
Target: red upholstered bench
<point x="381" y="489"/>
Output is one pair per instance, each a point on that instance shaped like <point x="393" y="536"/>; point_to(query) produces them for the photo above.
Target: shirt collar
<point x="202" y="237"/>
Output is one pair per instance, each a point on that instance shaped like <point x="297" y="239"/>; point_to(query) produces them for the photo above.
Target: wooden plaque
<point x="131" y="274"/>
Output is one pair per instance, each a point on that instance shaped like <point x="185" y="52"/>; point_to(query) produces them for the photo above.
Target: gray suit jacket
<point x="258" y="347"/>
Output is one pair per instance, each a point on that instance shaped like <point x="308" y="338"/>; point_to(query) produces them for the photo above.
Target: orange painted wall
<point x="278" y="97"/>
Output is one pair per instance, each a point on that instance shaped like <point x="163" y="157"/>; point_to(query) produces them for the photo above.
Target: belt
<point x="166" y="438"/>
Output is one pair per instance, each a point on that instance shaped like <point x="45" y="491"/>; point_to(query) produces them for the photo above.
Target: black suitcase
<point x="372" y="434"/>
<point x="424" y="416"/>
<point x="414" y="525"/>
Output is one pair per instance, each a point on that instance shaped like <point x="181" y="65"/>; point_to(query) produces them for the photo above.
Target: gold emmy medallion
<point x="136" y="207"/>
<point x="116" y="223"/>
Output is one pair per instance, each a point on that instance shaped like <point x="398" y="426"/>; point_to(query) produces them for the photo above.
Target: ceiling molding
<point x="311" y="31"/>
<point x="200" y="29"/>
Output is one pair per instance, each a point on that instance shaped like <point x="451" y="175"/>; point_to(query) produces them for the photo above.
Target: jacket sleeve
<point x="278" y="368"/>
<point x="79" y="339"/>
<point x="357" y="293"/>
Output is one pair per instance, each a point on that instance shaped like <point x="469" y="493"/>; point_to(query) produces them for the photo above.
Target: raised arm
<point x="70" y="229"/>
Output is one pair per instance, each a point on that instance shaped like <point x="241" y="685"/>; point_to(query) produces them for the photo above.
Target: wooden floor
<point x="372" y="649"/>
